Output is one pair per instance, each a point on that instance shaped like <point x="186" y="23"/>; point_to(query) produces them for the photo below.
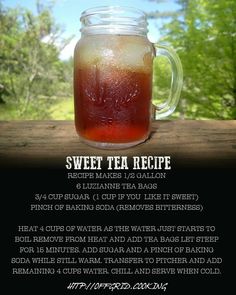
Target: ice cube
<point x="135" y="53"/>
<point x="88" y="51"/>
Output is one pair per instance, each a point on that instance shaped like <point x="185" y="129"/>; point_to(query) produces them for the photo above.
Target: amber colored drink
<point x="112" y="105"/>
<point x="113" y="89"/>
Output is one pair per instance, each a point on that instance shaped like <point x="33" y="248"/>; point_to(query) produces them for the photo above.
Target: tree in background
<point x="31" y="72"/>
<point x="204" y="34"/>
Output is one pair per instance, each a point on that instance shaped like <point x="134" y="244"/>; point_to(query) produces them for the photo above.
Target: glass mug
<point x="113" y="65"/>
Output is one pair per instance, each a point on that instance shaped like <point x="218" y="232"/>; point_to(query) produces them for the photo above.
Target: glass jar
<point x="113" y="65"/>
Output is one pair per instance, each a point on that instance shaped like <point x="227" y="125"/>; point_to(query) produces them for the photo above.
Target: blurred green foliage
<point x="203" y="33"/>
<point x="31" y="73"/>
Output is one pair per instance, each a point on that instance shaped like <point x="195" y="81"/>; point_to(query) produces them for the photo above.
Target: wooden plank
<point x="42" y="142"/>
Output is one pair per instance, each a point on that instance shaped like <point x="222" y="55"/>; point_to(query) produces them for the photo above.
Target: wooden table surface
<point x="49" y="142"/>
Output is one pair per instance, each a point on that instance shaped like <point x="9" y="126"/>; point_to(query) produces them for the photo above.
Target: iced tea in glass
<point x="113" y="64"/>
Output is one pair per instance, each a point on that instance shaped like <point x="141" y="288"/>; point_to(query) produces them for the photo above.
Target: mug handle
<point x="168" y="107"/>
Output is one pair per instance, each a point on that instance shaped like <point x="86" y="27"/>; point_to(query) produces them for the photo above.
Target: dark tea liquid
<point x="112" y="89"/>
<point x="111" y="104"/>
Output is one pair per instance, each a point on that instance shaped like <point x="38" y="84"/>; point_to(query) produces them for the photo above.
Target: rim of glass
<point x="112" y="8"/>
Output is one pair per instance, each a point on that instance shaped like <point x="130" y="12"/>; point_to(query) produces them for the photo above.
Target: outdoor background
<point x="37" y="40"/>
